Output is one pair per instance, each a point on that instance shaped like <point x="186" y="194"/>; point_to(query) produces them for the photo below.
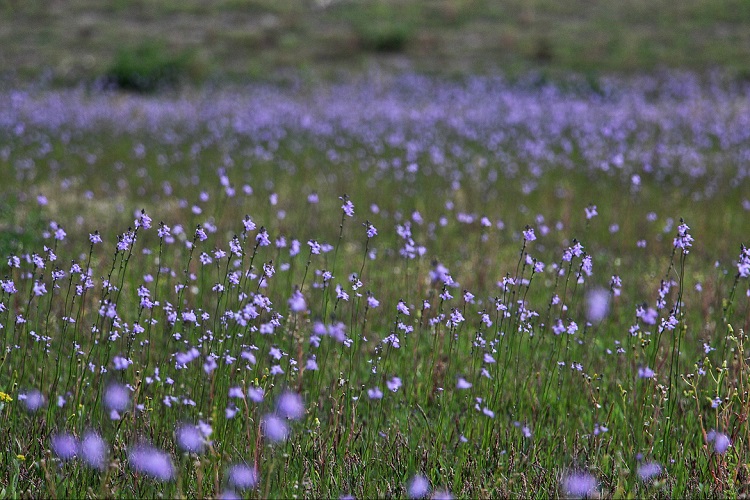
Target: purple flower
<point x="242" y="476"/>
<point x="372" y="302"/>
<point x="121" y="363"/>
<point x="645" y="372"/>
<point x="33" y="400"/>
<point x="401" y="307"/>
<point x="262" y="238"/>
<point x="648" y="471"/>
<point x="275" y="428"/>
<point x="393" y="384"/>
<point x="94" y="451"/>
<point x="375" y="393"/>
<point x="297" y="302"/>
<point x="116" y="397"/>
<point x="418" y="487"/>
<point x="371" y="231"/>
<point x="152" y="462"/>
<point x="248" y="223"/>
<point x="143" y="220"/>
<point x="579" y="484"/>
<point x="591" y="212"/>
<point x="255" y="394"/>
<point x="348" y="206"/>
<point x="236" y="392"/>
<point x="290" y="406"/>
<point x="683" y="240"/>
<point x="162" y="232"/>
<point x="743" y="263"/>
<point x="597" y="305"/>
<point x="462" y="383"/>
<point x="65" y="446"/>
<point x="190" y="438"/>
<point x="528" y="234"/>
<point x="721" y="441"/>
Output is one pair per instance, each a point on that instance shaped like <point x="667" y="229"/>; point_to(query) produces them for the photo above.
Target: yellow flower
<point x="5" y="398"/>
<point x="22" y="458"/>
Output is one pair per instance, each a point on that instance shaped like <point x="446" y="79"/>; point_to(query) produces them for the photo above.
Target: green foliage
<point x="385" y="36"/>
<point x="147" y="67"/>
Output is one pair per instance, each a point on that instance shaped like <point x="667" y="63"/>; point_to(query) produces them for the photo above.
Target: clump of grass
<point x="147" y="67"/>
<point x="385" y="36"/>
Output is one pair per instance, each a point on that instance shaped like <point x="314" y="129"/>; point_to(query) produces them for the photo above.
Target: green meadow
<point x="374" y="249"/>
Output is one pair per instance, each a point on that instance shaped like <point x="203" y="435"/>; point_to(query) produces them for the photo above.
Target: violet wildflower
<point x="683" y="240"/>
<point x="190" y="438"/>
<point x="528" y="234"/>
<point x="231" y="411"/>
<point x="462" y="383"/>
<point x="597" y="305"/>
<point x="591" y="212"/>
<point x="65" y="446"/>
<point x="297" y="302"/>
<point x="645" y="372"/>
<point x="371" y="230"/>
<point x="242" y="476"/>
<point x="393" y="384"/>
<point x="720" y="441"/>
<point x="94" y="451"/>
<point x="648" y="471"/>
<point x="143" y="220"/>
<point x="121" y="363"/>
<point x="579" y="484"/>
<point x="33" y="400"/>
<point x="152" y="462"/>
<point x="401" y="307"/>
<point x="116" y="398"/>
<point x="743" y="263"/>
<point x="290" y="405"/>
<point x="255" y="394"/>
<point x="275" y="428"/>
<point x="248" y="224"/>
<point x="348" y="206"/>
<point x="95" y="238"/>
<point x="163" y="231"/>
<point x="262" y="237"/>
<point x="375" y="393"/>
<point x="372" y="302"/>
<point x="418" y="487"/>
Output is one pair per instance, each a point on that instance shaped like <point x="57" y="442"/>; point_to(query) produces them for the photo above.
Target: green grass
<point x="263" y="39"/>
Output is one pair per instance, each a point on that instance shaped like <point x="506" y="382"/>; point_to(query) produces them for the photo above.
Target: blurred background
<point x="145" y="44"/>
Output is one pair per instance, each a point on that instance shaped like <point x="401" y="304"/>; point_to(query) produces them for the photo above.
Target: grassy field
<point x="335" y="249"/>
<point x="81" y="40"/>
<point x="400" y="286"/>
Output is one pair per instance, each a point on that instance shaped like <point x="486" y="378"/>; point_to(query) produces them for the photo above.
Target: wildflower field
<point x="389" y="286"/>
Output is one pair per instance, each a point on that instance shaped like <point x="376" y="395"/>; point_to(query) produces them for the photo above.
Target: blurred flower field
<point x="396" y="286"/>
